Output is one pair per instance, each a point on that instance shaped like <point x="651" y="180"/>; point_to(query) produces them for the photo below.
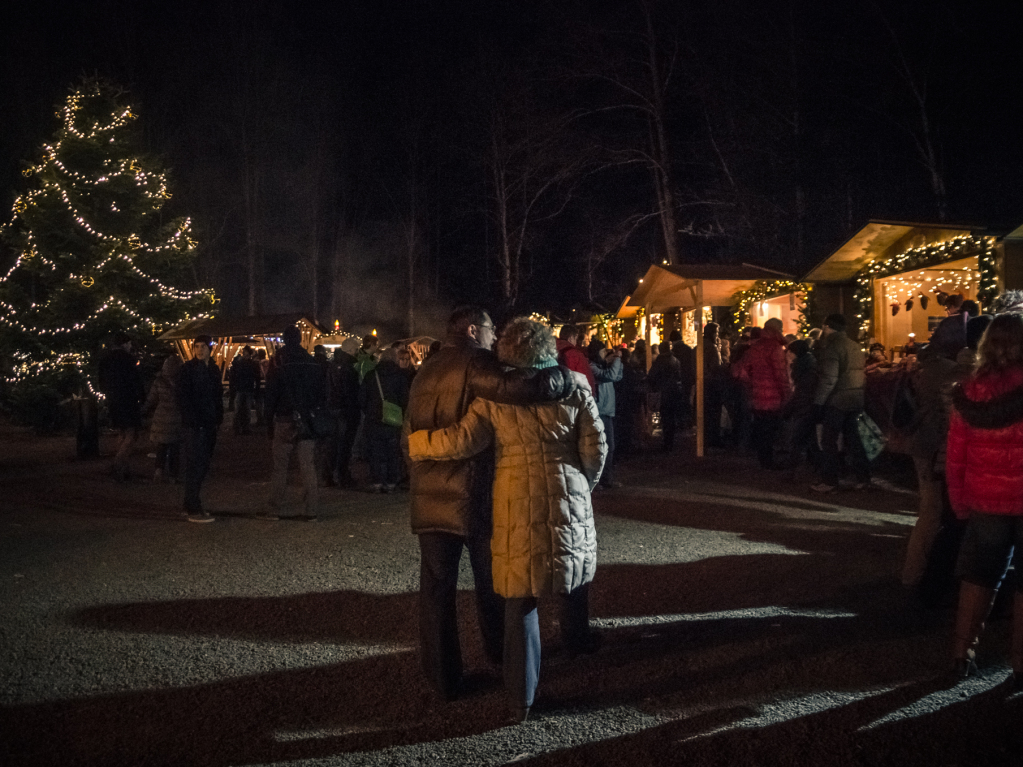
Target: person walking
<point x="387" y="382"/>
<point x="984" y="471"/>
<point x="451" y="502"/>
<point x="763" y="370"/>
<point x="165" y="429"/>
<point x="296" y="386"/>
<point x="839" y="403"/>
<point x="121" y="383"/>
<point x="544" y="542"/>
<point x="201" y="400"/>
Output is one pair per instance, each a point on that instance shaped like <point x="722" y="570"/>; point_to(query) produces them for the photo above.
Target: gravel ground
<point x="746" y="622"/>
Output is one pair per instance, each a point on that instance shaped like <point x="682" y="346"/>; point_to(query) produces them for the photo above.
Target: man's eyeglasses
<point x="486" y="325"/>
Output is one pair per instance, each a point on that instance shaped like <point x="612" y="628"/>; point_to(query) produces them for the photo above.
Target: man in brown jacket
<point x="452" y="500"/>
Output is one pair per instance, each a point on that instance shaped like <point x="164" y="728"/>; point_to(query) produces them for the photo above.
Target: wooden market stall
<point x="230" y="334"/>
<point x="693" y="289"/>
<point x="890" y="278"/>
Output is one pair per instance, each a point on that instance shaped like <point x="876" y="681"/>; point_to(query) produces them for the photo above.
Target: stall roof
<point x="667" y="287"/>
<point x="875" y="240"/>
<point x="229" y="327"/>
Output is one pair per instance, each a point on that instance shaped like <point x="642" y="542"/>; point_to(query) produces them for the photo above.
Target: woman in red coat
<point x="984" y="471"/>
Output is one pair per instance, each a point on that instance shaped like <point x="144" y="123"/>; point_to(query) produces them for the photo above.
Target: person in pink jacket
<point x="764" y="371"/>
<point x="984" y="472"/>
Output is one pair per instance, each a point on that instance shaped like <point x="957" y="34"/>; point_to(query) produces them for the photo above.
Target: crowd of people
<point x="502" y="451"/>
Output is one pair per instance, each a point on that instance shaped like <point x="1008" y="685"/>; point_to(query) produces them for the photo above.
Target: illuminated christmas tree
<point x="93" y="251"/>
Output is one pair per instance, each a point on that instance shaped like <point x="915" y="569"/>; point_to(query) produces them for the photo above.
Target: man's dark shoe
<point x="520" y="715"/>
<point x="590" y="644"/>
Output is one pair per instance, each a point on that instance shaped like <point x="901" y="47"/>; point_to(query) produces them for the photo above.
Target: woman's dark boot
<point x="974" y="605"/>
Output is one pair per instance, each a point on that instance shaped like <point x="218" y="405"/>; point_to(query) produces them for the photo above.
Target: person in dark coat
<point x="715" y="385"/>
<point x="296" y="386"/>
<point x="343" y="401"/>
<point x="799" y="413"/>
<point x="200" y="397"/>
<point x="121" y="382"/>
<point x="245" y="377"/>
<point x="665" y="378"/>
<point x="386" y="382"/>
<point x="630" y="396"/>
<point x="451" y="501"/>
<point x="686" y="356"/>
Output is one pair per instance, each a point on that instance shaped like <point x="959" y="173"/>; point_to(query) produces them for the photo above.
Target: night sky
<point x="316" y="143"/>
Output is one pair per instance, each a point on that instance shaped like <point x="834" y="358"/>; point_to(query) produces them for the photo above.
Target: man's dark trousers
<point x="199" y="443"/>
<point x="441" y="654"/>
<point x="842" y="423"/>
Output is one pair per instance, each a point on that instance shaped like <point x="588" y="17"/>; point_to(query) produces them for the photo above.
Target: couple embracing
<point x="505" y="450"/>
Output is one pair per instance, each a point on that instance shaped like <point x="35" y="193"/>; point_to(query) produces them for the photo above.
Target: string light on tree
<point x="96" y="253"/>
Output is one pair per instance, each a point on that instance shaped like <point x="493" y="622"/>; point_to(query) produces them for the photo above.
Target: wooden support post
<point x="700" y="414"/>
<point x="646" y="335"/>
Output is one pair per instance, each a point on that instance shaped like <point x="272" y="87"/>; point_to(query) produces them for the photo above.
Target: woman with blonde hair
<point x="984" y="471"/>
<point x="548" y="459"/>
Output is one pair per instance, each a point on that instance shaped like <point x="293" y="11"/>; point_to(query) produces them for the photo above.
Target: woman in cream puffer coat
<point x="549" y="457"/>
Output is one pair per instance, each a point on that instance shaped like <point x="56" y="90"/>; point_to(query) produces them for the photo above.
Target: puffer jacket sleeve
<point x="471" y="435"/>
<point x="489" y="380"/>
<point x="592" y="444"/>
<point x="955" y="465"/>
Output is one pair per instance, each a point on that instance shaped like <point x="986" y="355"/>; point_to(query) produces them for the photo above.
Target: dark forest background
<point x="377" y="162"/>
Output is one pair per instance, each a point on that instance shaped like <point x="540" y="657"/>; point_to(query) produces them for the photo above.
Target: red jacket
<point x="984" y="465"/>
<point x="764" y="370"/>
<point x="575" y="359"/>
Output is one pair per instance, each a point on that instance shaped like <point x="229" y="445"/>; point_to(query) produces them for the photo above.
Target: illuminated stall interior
<point x="907" y="305"/>
<point x="787" y="308"/>
<point x="889" y="278"/>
